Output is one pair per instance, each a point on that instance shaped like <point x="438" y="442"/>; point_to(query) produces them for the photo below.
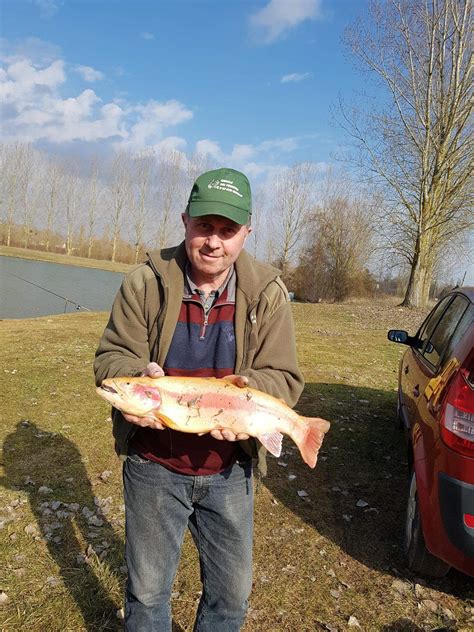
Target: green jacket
<point x="145" y="313"/>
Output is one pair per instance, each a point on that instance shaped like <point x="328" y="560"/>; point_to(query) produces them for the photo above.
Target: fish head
<point x="130" y="396"/>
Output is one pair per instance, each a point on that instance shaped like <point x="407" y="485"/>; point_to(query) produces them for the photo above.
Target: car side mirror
<point x="401" y="336"/>
<point x="398" y="335"/>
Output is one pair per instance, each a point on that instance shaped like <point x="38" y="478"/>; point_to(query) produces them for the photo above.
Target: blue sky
<point x="249" y="83"/>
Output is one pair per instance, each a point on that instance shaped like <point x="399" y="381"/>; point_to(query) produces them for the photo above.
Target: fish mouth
<point x="109" y="389"/>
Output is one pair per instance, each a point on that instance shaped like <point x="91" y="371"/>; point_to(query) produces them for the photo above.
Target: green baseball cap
<point x="223" y="192"/>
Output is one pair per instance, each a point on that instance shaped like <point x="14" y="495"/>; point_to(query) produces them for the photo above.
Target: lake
<point x="20" y="296"/>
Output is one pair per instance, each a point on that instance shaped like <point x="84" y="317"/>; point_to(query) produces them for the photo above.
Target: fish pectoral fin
<point x="272" y="441"/>
<point x="166" y="420"/>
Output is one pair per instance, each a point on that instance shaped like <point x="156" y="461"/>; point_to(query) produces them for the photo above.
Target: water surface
<point x="85" y="287"/>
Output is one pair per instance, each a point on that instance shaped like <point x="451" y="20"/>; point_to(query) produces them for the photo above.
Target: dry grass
<point x="53" y="257"/>
<point x="318" y="561"/>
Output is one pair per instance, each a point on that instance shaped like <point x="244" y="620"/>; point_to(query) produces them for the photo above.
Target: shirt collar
<point x="191" y="288"/>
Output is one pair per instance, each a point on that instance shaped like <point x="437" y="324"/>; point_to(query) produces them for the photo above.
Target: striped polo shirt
<point x="203" y="345"/>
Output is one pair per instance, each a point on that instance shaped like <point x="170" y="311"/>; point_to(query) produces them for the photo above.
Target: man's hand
<point x="227" y="435"/>
<point x="144" y="422"/>
<point x="152" y="369"/>
<point x="237" y="380"/>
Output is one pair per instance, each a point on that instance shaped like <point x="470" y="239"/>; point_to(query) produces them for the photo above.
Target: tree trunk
<point x="421" y="273"/>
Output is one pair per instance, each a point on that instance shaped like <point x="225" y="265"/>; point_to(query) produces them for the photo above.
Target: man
<point x="204" y="308"/>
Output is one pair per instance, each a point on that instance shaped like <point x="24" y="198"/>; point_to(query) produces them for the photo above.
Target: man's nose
<point x="213" y="241"/>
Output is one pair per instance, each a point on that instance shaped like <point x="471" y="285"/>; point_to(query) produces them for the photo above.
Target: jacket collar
<point x="252" y="275"/>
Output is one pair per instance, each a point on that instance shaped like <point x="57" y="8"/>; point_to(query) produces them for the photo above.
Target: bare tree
<point x="143" y="168"/>
<point x="70" y="204"/>
<point x="258" y="205"/>
<point x="11" y="170"/>
<point x="120" y="189"/>
<point x="28" y="193"/>
<point x="339" y="242"/>
<point x="294" y="195"/>
<point x="53" y="181"/>
<point x="92" y="202"/>
<point x="419" y="142"/>
<point x="170" y="198"/>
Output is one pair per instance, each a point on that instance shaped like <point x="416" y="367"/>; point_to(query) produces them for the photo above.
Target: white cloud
<point x="148" y="122"/>
<point x="242" y="152"/>
<point x="278" y="17"/>
<point x="147" y="36"/>
<point x="295" y="77"/>
<point x="33" y="109"/>
<point x="240" y="155"/>
<point x="89" y="74"/>
<point x="22" y="83"/>
<point x="322" y="167"/>
<point x="170" y="144"/>
<point x="29" y="48"/>
<point x="210" y="148"/>
<point x="48" y="7"/>
<point x="279" y="144"/>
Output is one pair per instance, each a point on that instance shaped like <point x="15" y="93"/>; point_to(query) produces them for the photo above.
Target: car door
<point x="439" y="366"/>
<point x="414" y="370"/>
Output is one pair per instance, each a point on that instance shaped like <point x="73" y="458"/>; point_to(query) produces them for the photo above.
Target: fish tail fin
<point x="308" y="436"/>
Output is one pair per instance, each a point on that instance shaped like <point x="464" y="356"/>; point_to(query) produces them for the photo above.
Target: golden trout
<point x="199" y="405"/>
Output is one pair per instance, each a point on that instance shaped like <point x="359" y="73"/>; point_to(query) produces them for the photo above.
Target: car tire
<point x="419" y="559"/>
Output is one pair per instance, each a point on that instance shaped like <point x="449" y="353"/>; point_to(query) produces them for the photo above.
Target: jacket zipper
<point x="252" y="319"/>
<point x="205" y="322"/>
<point x="202" y="333"/>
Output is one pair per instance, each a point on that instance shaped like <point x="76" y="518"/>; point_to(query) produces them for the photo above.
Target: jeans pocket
<point x="137" y="459"/>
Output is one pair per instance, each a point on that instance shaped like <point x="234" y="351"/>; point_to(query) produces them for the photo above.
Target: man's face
<point x="213" y="243"/>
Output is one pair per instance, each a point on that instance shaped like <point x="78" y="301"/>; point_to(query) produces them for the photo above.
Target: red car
<point x="436" y="408"/>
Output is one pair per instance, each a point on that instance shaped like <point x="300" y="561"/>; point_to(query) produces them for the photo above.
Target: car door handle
<point x="416" y="391"/>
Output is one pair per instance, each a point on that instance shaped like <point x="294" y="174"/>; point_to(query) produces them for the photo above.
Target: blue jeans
<point x="218" y="510"/>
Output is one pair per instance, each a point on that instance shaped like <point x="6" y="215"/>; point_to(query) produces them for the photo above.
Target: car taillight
<point x="457" y="418"/>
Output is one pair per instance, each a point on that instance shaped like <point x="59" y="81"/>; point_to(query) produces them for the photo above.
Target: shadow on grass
<point x="363" y="458"/>
<point x="54" y="461"/>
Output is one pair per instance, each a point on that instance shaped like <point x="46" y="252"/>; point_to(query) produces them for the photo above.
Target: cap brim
<point x="238" y="215"/>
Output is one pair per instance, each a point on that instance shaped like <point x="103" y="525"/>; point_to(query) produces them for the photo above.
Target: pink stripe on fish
<point x="226" y="401"/>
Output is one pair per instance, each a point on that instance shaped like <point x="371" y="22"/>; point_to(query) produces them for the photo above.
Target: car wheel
<point x="419" y="559"/>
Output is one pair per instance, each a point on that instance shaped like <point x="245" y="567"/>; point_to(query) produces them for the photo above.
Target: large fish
<point x="199" y="405"/>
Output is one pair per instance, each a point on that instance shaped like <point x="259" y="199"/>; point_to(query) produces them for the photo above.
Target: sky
<point x="248" y="83"/>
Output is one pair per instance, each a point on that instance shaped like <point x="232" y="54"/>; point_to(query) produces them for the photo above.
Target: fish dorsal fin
<point x="272" y="441"/>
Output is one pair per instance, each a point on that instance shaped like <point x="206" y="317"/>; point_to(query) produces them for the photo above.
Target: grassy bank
<point x="320" y="559"/>
<point x="53" y="257"/>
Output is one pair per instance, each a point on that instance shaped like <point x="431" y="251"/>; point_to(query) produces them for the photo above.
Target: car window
<point x="428" y="326"/>
<point x="461" y="330"/>
<point x="436" y="344"/>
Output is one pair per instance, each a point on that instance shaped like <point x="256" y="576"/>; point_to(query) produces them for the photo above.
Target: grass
<point x="54" y="257"/>
<point x="319" y="559"/>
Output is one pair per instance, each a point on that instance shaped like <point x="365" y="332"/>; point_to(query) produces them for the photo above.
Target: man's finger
<point x="153" y="369"/>
<point x="237" y="380"/>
